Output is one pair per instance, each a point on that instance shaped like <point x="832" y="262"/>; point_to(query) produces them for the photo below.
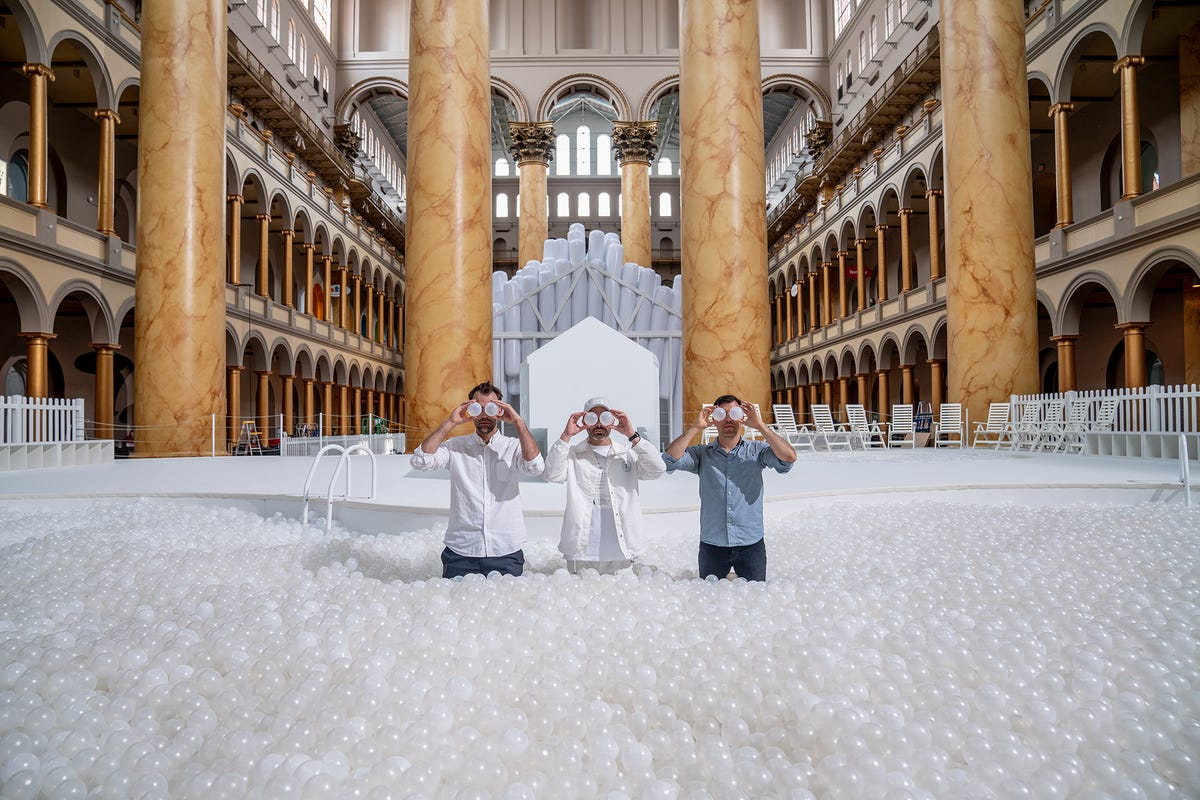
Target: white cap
<point x="596" y="401"/>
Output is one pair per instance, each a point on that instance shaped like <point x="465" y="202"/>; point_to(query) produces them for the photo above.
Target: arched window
<point x="562" y="154"/>
<point x="325" y="78"/>
<point x="501" y="205"/>
<point x="863" y="54"/>
<point x="903" y="9"/>
<point x="291" y="41"/>
<point x="584" y="205"/>
<point x="17" y="183"/>
<point x="603" y="205"/>
<point x="317" y="75"/>
<point x="842" y="10"/>
<point x="273" y="24"/>
<point x="841" y="78"/>
<point x="664" y="166"/>
<point x="321" y="16"/>
<point x="874" y="35"/>
<point x="664" y="204"/>
<point x="604" y="154"/>
<point x="889" y="18"/>
<point x="260" y="10"/>
<point x="849" y="66"/>
<point x="302" y="55"/>
<point x="583" y="151"/>
<point x="564" y="205"/>
<point x="502" y="167"/>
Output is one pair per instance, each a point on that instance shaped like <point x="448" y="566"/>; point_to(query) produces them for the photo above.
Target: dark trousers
<point x="455" y="566"/>
<point x="748" y="561"/>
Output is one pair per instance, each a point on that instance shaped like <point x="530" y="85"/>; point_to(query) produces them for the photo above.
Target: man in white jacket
<point x="602" y="524"/>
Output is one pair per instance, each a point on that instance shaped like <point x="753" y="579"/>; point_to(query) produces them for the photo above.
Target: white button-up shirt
<point x="486" y="518"/>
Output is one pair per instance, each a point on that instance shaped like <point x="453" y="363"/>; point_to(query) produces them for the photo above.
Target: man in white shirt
<point x="602" y="524"/>
<point x="486" y="530"/>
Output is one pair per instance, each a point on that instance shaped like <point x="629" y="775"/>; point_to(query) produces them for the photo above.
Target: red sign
<point x="852" y="271"/>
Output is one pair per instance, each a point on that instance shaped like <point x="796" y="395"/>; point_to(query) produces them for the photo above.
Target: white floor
<point x="935" y="624"/>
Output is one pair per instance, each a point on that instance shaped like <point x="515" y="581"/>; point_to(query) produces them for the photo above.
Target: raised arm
<point x="529" y="448"/>
<point x="676" y="448"/>
<point x="434" y="440"/>
<point x="779" y="446"/>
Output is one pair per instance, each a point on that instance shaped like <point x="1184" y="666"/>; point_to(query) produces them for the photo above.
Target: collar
<point x="716" y="444"/>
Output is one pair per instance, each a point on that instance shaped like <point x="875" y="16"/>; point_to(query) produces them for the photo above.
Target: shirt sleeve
<point x="688" y="462"/>
<point x="767" y="458"/>
<point x="650" y="463"/>
<point x="439" y="459"/>
<point x="556" y="462"/>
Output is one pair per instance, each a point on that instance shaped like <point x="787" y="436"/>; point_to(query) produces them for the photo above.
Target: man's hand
<point x="574" y="426"/>
<point x="623" y="426"/>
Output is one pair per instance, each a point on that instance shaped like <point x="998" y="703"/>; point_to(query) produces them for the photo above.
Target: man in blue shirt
<point x="731" y="485"/>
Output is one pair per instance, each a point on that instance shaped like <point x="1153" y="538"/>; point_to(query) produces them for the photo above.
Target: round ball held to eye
<point x="736" y="414"/>
<point x="605" y="418"/>
<point x="474" y="409"/>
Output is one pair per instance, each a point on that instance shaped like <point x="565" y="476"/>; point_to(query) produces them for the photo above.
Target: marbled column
<point x="881" y="284"/>
<point x="934" y="196"/>
<point x="103" y="395"/>
<point x="262" y="406"/>
<point x="991" y="306"/>
<point x="906" y="385"/>
<point x="449" y="252"/>
<point x="39" y="77"/>
<point x="813" y="320"/>
<point x="233" y="265"/>
<point x="306" y="405"/>
<point x="723" y="203"/>
<point x="937" y="380"/>
<point x="826" y="300"/>
<point x="1131" y="126"/>
<point x="885" y="408"/>
<point x="1135" y="353"/>
<point x="906" y="272"/>
<point x="289" y="414"/>
<point x="860" y="253"/>
<point x="843" y="305"/>
<point x="1189" y="101"/>
<point x="106" y="178"/>
<point x="289" y="297"/>
<point x="532" y="150"/>
<point x="633" y="147"/>
<point x="308" y="248"/>
<point x="37" y="348"/>
<point x="1066" y="362"/>
<point x="1062" y="163"/>
<point x="262" y="280"/>
<point x="233" y="410"/>
<point x="179" y="329"/>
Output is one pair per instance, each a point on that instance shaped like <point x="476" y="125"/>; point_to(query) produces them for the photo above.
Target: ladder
<point x="344" y="461"/>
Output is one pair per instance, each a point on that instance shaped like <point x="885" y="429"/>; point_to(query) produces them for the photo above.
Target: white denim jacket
<point x="578" y="467"/>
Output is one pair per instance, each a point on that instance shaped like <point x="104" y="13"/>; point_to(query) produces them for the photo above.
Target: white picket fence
<point x="38" y="432"/>
<point x="1149" y="421"/>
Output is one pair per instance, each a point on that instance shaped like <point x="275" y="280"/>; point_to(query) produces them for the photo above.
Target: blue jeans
<point x="455" y="566"/>
<point x="748" y="561"/>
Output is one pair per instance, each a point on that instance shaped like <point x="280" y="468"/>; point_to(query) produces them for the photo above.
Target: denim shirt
<point x="731" y="489"/>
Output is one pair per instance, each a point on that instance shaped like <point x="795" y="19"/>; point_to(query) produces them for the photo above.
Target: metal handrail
<point x="343" y="460"/>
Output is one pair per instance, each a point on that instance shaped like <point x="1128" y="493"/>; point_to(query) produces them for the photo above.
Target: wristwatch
<point x="633" y="439"/>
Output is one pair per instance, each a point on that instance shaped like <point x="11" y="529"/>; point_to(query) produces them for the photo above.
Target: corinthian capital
<point x="532" y="141"/>
<point x="634" y="141"/>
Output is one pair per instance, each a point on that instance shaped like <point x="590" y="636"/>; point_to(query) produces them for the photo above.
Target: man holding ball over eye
<point x="486" y="529"/>
<point x="602" y="524"/>
<point x="731" y="485"/>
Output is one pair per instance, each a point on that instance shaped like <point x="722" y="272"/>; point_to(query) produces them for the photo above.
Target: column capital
<point x="882" y="371"/>
<point x="882" y="228"/>
<point x="905" y="212"/>
<point x="308" y="245"/>
<point x="234" y="198"/>
<point x="38" y="71"/>
<point x="37" y="337"/>
<point x="861" y="242"/>
<point x="1065" y="337"/>
<point x="233" y="369"/>
<point x="933" y="361"/>
<point x="1128" y="62"/>
<point x="842" y="253"/>
<point x="633" y="142"/>
<point x="1132" y="327"/>
<point x="826" y="264"/>
<point x="1060" y="108"/>
<point x="308" y="381"/>
<point x="327" y="258"/>
<point x="933" y="193"/>
<point x="287" y="233"/>
<point x="100" y="347"/>
<point x="263" y="373"/>
<point x="107" y="113"/>
<point x="533" y="142"/>
<point x="263" y="217"/>
<point x="356" y="278"/>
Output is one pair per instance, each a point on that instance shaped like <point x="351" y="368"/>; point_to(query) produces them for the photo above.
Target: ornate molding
<point x="532" y="142"/>
<point x="633" y="142"/>
<point x="819" y="138"/>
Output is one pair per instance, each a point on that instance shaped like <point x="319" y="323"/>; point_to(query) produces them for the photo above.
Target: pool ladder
<point x="343" y="461"/>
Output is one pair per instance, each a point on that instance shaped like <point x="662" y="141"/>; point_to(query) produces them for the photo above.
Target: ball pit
<point x="163" y="649"/>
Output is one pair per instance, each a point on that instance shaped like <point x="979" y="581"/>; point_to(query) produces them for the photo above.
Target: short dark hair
<point x="726" y="398"/>
<point x="486" y="388"/>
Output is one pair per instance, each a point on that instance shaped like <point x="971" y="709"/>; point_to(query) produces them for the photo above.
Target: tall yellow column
<point x="233" y="265"/>
<point x="39" y="76"/>
<point x="308" y="248"/>
<point x="725" y="345"/>
<point x="400" y="341"/>
<point x="357" y="415"/>
<point x="800" y="404"/>
<point x="355" y="324"/>
<point x="343" y="410"/>
<point x="797" y="303"/>
<point x="307" y="402"/>
<point x="1135" y="353"/>
<point x="787" y="321"/>
<point x="826" y="300"/>
<point x="262" y="285"/>
<point x="179" y="329"/>
<point x="991" y="305"/>
<point x="1066" y="362"/>
<point x="881" y="284"/>
<point x="937" y="380"/>
<point x="327" y="281"/>
<point x="885" y="408"/>
<point x="906" y="385"/>
<point x="843" y="396"/>
<point x="327" y="417"/>
<point x="532" y="150"/>
<point x="288" y="404"/>
<point x="1131" y="126"/>
<point x="1189" y="103"/>
<point x="370" y="409"/>
<point x="289" y="236"/>
<point x="843" y="305"/>
<point x="369" y="302"/>
<point x="1062" y="163"/>
<point x="860" y="253"/>
<point x="37" y="371"/>
<point x="814" y="321"/>
<point x="633" y="146"/>
<point x="778" y="320"/>
<point x="343" y="283"/>
<point x="814" y="397"/>
<point x="233" y="410"/>
<point x="379" y="332"/>
<point x="262" y="404"/>
<point x="934" y="196"/>
<point x="860" y="382"/>
<point x="103" y="395"/>
<point x="906" y="276"/>
<point x="107" y="180"/>
<point x="449" y="250"/>
<point x="389" y="336"/>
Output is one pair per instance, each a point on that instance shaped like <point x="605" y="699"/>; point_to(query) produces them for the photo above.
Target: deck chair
<point x="902" y="426"/>
<point x="834" y="435"/>
<point x="1074" y="426"/>
<point x="993" y="431"/>
<point x="1037" y="435"/>
<point x="862" y="430"/>
<point x="785" y="426"/>
<point x="1106" y="416"/>
<point x="949" y="430"/>
<point x="1025" y="427"/>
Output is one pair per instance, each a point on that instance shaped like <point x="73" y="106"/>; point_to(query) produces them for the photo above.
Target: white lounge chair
<point x="949" y="430"/>
<point x="1058" y="433"/>
<point x="993" y="431"/>
<point x="1043" y="430"/>
<point x="1075" y="436"/>
<point x="902" y="426"/>
<point x="785" y="425"/>
<point x="1023" y="428"/>
<point x="866" y="432"/>
<point x="835" y="436"/>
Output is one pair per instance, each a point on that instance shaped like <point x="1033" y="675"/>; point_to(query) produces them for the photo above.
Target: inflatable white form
<point x="585" y="275"/>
